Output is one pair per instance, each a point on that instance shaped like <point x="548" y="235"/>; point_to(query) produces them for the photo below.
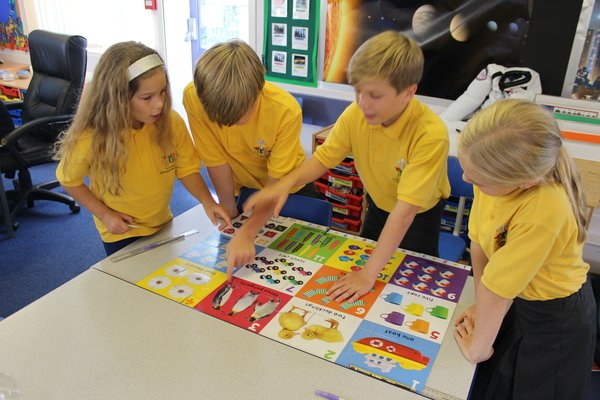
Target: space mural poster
<point x="458" y="37"/>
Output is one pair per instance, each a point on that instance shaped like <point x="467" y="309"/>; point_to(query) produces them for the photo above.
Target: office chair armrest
<point x="31" y="126"/>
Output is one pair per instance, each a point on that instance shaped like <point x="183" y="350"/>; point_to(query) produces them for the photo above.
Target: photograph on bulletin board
<point x="12" y="36"/>
<point x="291" y="41"/>
<point x="458" y="37"/>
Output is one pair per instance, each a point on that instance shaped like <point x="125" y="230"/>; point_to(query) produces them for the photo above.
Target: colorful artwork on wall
<point x="12" y="36"/>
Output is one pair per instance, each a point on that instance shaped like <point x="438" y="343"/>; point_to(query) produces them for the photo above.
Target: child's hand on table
<point x="240" y="251"/>
<point x="351" y="286"/>
<point x="469" y="313"/>
<point x="218" y="215"/>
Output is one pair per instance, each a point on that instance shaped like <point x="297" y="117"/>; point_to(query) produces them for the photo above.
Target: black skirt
<point x="544" y="351"/>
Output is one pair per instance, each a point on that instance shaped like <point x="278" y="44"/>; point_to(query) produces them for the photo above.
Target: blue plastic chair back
<point x="458" y="187"/>
<point x="451" y="245"/>
<point x="304" y="208"/>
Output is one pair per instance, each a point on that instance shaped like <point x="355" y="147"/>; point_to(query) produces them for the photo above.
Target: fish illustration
<point x="263" y="310"/>
<point x="244" y="302"/>
<point x="222" y="296"/>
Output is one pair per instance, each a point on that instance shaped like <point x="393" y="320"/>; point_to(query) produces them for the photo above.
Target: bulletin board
<point x="291" y="41"/>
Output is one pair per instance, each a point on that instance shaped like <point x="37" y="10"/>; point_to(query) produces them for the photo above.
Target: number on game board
<point x="451" y="296"/>
<point x="329" y="354"/>
<point x="360" y="311"/>
<point x="254" y="326"/>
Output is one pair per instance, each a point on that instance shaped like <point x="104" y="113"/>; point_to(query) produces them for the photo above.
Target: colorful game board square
<point x="353" y="254"/>
<point x="431" y="277"/>
<point x="244" y="304"/>
<point x="322" y="280"/>
<point x="312" y="327"/>
<point x="390" y="355"/>
<point x="182" y="281"/>
<point x="278" y="271"/>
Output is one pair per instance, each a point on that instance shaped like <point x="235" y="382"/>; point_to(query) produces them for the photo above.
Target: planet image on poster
<point x="343" y="28"/>
<point x="492" y="26"/>
<point x="423" y="19"/>
<point x="459" y="28"/>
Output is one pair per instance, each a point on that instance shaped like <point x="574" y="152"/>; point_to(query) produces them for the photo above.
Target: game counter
<point x="399" y="333"/>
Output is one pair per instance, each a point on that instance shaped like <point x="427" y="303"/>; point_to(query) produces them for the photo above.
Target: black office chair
<point x="59" y="63"/>
<point x="305" y="208"/>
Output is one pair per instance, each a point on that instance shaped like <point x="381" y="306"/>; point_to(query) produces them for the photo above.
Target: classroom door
<point x="214" y="21"/>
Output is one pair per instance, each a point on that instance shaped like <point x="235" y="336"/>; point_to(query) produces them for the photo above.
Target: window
<point x="104" y="23"/>
<point x="221" y="20"/>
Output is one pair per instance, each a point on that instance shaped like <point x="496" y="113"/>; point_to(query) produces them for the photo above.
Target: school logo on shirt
<point x="501" y="234"/>
<point x="169" y="160"/>
<point x="399" y="166"/>
<point x="261" y="149"/>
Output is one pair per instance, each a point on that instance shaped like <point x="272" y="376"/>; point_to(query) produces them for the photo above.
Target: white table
<point x="451" y="374"/>
<point x="98" y="337"/>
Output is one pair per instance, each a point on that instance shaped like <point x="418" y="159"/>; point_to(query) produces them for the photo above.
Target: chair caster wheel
<point x="75" y="208"/>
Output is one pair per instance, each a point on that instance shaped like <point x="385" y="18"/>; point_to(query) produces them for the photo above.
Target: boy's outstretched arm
<point x="356" y="284"/>
<point x="265" y="203"/>
<point x="310" y="170"/>
<point x="240" y="250"/>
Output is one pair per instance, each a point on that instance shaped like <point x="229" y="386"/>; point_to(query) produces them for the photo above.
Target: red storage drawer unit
<point x="343" y="188"/>
<point x="343" y="198"/>
<point x="344" y="183"/>
<point x="348" y="224"/>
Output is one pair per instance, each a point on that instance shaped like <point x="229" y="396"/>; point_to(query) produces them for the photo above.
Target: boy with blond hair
<point x="246" y="130"/>
<point x="400" y="150"/>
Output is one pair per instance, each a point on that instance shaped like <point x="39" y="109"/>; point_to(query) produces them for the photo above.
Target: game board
<point x="392" y="333"/>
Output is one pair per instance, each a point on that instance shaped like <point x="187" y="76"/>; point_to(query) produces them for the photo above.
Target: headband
<point x="142" y="65"/>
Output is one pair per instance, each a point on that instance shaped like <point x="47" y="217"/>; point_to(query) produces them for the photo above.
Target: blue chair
<point x="452" y="246"/>
<point x="307" y="209"/>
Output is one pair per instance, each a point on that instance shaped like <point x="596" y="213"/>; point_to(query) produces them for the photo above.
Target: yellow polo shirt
<point x="405" y="161"/>
<point x="268" y="145"/>
<point x="147" y="182"/>
<point x="530" y="239"/>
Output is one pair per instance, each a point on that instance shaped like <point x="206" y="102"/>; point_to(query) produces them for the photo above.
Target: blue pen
<point x="327" y="395"/>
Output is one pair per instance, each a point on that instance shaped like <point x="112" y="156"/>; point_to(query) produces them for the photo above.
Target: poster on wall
<point x="291" y="41"/>
<point x="11" y="27"/>
<point x="458" y="38"/>
<point x="582" y="79"/>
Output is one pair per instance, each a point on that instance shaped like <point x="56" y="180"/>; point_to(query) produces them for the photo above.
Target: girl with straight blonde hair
<point x="532" y="328"/>
<point x="132" y="146"/>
